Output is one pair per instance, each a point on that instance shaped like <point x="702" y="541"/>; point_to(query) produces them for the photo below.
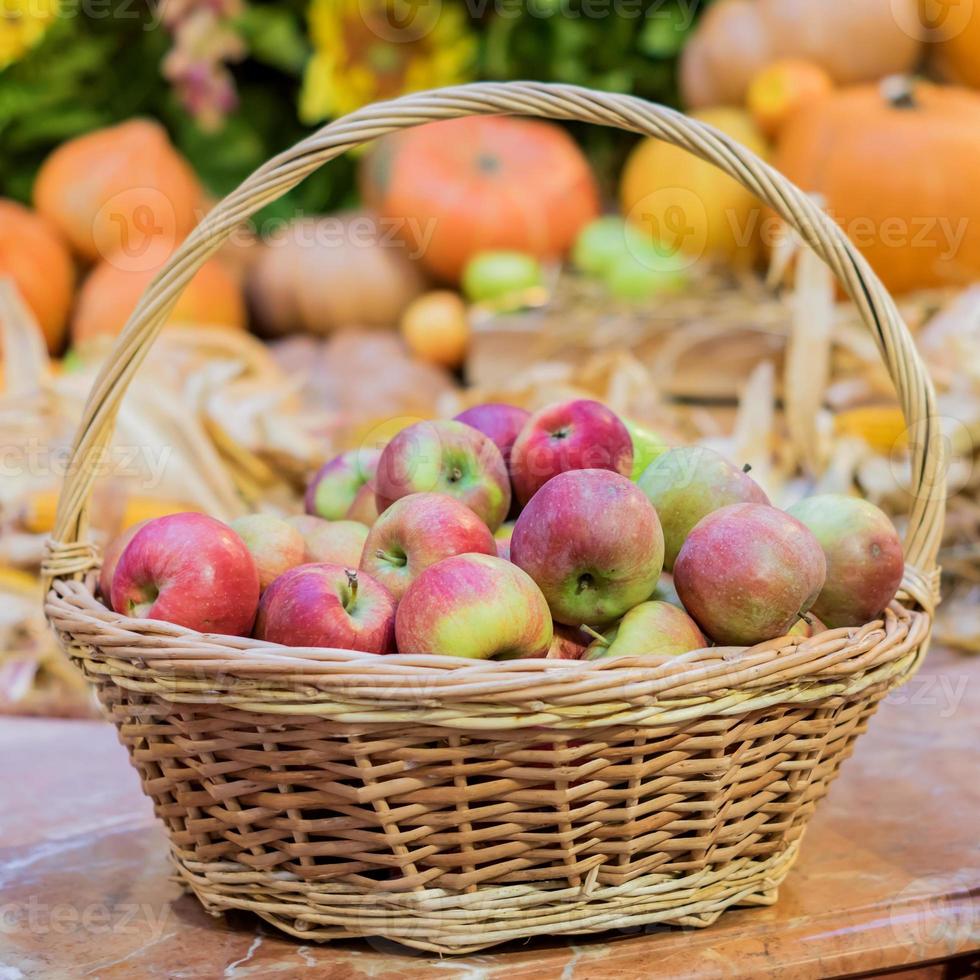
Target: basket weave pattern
<point x="452" y="805"/>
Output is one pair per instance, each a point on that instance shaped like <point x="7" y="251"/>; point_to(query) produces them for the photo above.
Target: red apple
<point x="575" y="435"/>
<point x="321" y="605"/>
<point x="593" y="543"/>
<point x="445" y="457"/>
<point x="497" y="421"/>
<point x="688" y="483"/>
<point x="188" y="569"/>
<point x="747" y="572"/>
<point x="110" y="558"/>
<point x="274" y="545"/>
<point x="332" y="490"/>
<point x="416" y="532"/>
<point x="474" y="606"/>
<point x="364" y="510"/>
<point x="865" y="562"/>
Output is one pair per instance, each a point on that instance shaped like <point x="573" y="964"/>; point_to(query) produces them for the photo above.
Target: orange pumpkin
<point x="954" y="29"/>
<point x="455" y="188"/>
<point x="118" y="190"/>
<point x="34" y="256"/>
<point x="896" y="170"/>
<point x="852" y="40"/>
<point x="213" y="298"/>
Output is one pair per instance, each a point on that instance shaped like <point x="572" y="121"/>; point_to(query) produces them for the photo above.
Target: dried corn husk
<point x="211" y="423"/>
<point x="35" y="677"/>
<point x="808" y="360"/>
<point x="959" y="625"/>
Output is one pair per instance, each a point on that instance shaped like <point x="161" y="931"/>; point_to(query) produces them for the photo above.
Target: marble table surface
<point x="889" y="874"/>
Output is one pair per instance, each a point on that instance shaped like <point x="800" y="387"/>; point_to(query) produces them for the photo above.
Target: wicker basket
<point x="450" y="804"/>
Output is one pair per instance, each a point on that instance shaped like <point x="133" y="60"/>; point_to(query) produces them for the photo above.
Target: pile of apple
<point x="409" y="549"/>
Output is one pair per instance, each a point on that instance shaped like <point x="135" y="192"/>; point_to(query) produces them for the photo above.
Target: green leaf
<point x="664" y="32"/>
<point x="275" y="37"/>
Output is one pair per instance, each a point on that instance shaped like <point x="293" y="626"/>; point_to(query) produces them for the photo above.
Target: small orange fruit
<point x="435" y="327"/>
<point x="778" y="92"/>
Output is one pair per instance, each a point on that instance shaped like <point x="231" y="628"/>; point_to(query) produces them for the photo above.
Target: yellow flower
<point x="22" y="24"/>
<point x="368" y="50"/>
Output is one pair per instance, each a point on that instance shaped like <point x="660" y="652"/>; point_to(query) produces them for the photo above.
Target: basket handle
<point x="69" y="555"/>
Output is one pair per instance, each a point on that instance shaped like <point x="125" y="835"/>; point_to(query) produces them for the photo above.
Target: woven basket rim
<point x="182" y="665"/>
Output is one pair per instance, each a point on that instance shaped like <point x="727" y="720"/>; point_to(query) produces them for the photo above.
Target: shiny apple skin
<point x="474" y="606"/>
<point x="417" y="531"/>
<point x="317" y="605"/>
<point x="592" y="542"/>
<point x="572" y="435"/>
<point x="191" y="570"/>
<point x="448" y="457"/>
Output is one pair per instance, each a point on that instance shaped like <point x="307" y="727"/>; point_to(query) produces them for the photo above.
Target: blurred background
<point x="474" y="260"/>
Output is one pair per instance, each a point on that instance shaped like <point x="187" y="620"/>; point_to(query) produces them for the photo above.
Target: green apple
<point x="604" y="242"/>
<point x="647" y="446"/>
<point x="334" y="488"/>
<point x="495" y="275"/>
<point x="646" y="272"/>
<point x="686" y="484"/>
<point x="655" y="629"/>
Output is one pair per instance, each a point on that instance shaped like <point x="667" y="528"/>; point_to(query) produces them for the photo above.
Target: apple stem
<point x="352" y="583"/>
<point x="595" y="634"/>
<point x="455" y="475"/>
<point x="391" y="559"/>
